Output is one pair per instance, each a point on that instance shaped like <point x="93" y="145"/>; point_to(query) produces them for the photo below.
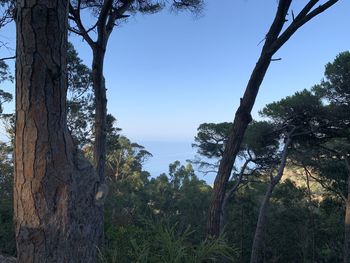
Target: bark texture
<point x="56" y="217"/>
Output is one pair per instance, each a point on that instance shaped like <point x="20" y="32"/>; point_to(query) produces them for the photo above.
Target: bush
<point x="158" y="241"/>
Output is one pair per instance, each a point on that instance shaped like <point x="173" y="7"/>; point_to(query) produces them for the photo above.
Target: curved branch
<point x="303" y="17"/>
<point x="75" y="16"/>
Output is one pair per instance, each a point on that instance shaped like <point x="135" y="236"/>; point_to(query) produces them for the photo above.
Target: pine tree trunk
<point x="275" y="39"/>
<point x="101" y="111"/>
<point x="242" y="119"/>
<point x="240" y="124"/>
<point x="56" y="217"/>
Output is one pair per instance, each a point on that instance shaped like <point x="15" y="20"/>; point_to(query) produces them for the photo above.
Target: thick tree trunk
<point x="347" y="218"/>
<point x="259" y="231"/>
<point x="241" y="121"/>
<point x="101" y="111"/>
<point x="54" y="190"/>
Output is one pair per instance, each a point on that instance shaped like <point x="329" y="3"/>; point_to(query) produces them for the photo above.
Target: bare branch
<point x="278" y="23"/>
<point x="303" y="17"/>
<point x="7" y="58"/>
<point x="327" y="187"/>
<point x="101" y="21"/>
<point x="117" y="14"/>
<point x="306" y="9"/>
<point x="75" y="16"/>
<point x="91" y="28"/>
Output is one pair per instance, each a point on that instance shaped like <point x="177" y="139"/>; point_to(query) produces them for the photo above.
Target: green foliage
<point x="210" y="139"/>
<point x="297" y="230"/>
<point x="260" y="144"/>
<point x="162" y="241"/>
<point x="335" y="90"/>
<point x="180" y="193"/>
<point x="124" y="159"/>
<point x="80" y="102"/>
<point x="330" y="231"/>
<point x="326" y="154"/>
<point x="174" y="196"/>
<point x="5" y="75"/>
<point x="7" y="9"/>
<point x="302" y="110"/>
<point x="333" y="174"/>
<point x="145" y="7"/>
<point x="7" y="234"/>
<point x="301" y="228"/>
<point x="336" y="86"/>
<point x="260" y="137"/>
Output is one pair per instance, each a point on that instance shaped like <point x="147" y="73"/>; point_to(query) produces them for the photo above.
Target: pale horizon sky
<point x="167" y="73"/>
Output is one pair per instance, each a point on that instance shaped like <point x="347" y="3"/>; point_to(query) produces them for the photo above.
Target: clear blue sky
<point x="168" y="73"/>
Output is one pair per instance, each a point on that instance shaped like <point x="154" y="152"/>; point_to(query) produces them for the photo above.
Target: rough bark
<point x="259" y="231"/>
<point x="274" y="40"/>
<point x="56" y="217"/>
<point x="347" y="218"/>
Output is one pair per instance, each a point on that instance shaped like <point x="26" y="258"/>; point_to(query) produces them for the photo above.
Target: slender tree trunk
<point x="241" y="121"/>
<point x="240" y="124"/>
<point x="275" y="39"/>
<point x="259" y="231"/>
<point x="101" y="111"/>
<point x="56" y="217"/>
<point x="347" y="217"/>
<point x="311" y="214"/>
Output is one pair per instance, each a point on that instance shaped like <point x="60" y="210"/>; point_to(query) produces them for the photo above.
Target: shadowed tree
<point x="335" y="89"/>
<point x="276" y="37"/>
<point x="80" y="99"/>
<point x="7" y="240"/>
<point x="5" y="75"/>
<point x="108" y="14"/>
<point x="297" y="118"/>
<point x="7" y="13"/>
<point x="257" y="154"/>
